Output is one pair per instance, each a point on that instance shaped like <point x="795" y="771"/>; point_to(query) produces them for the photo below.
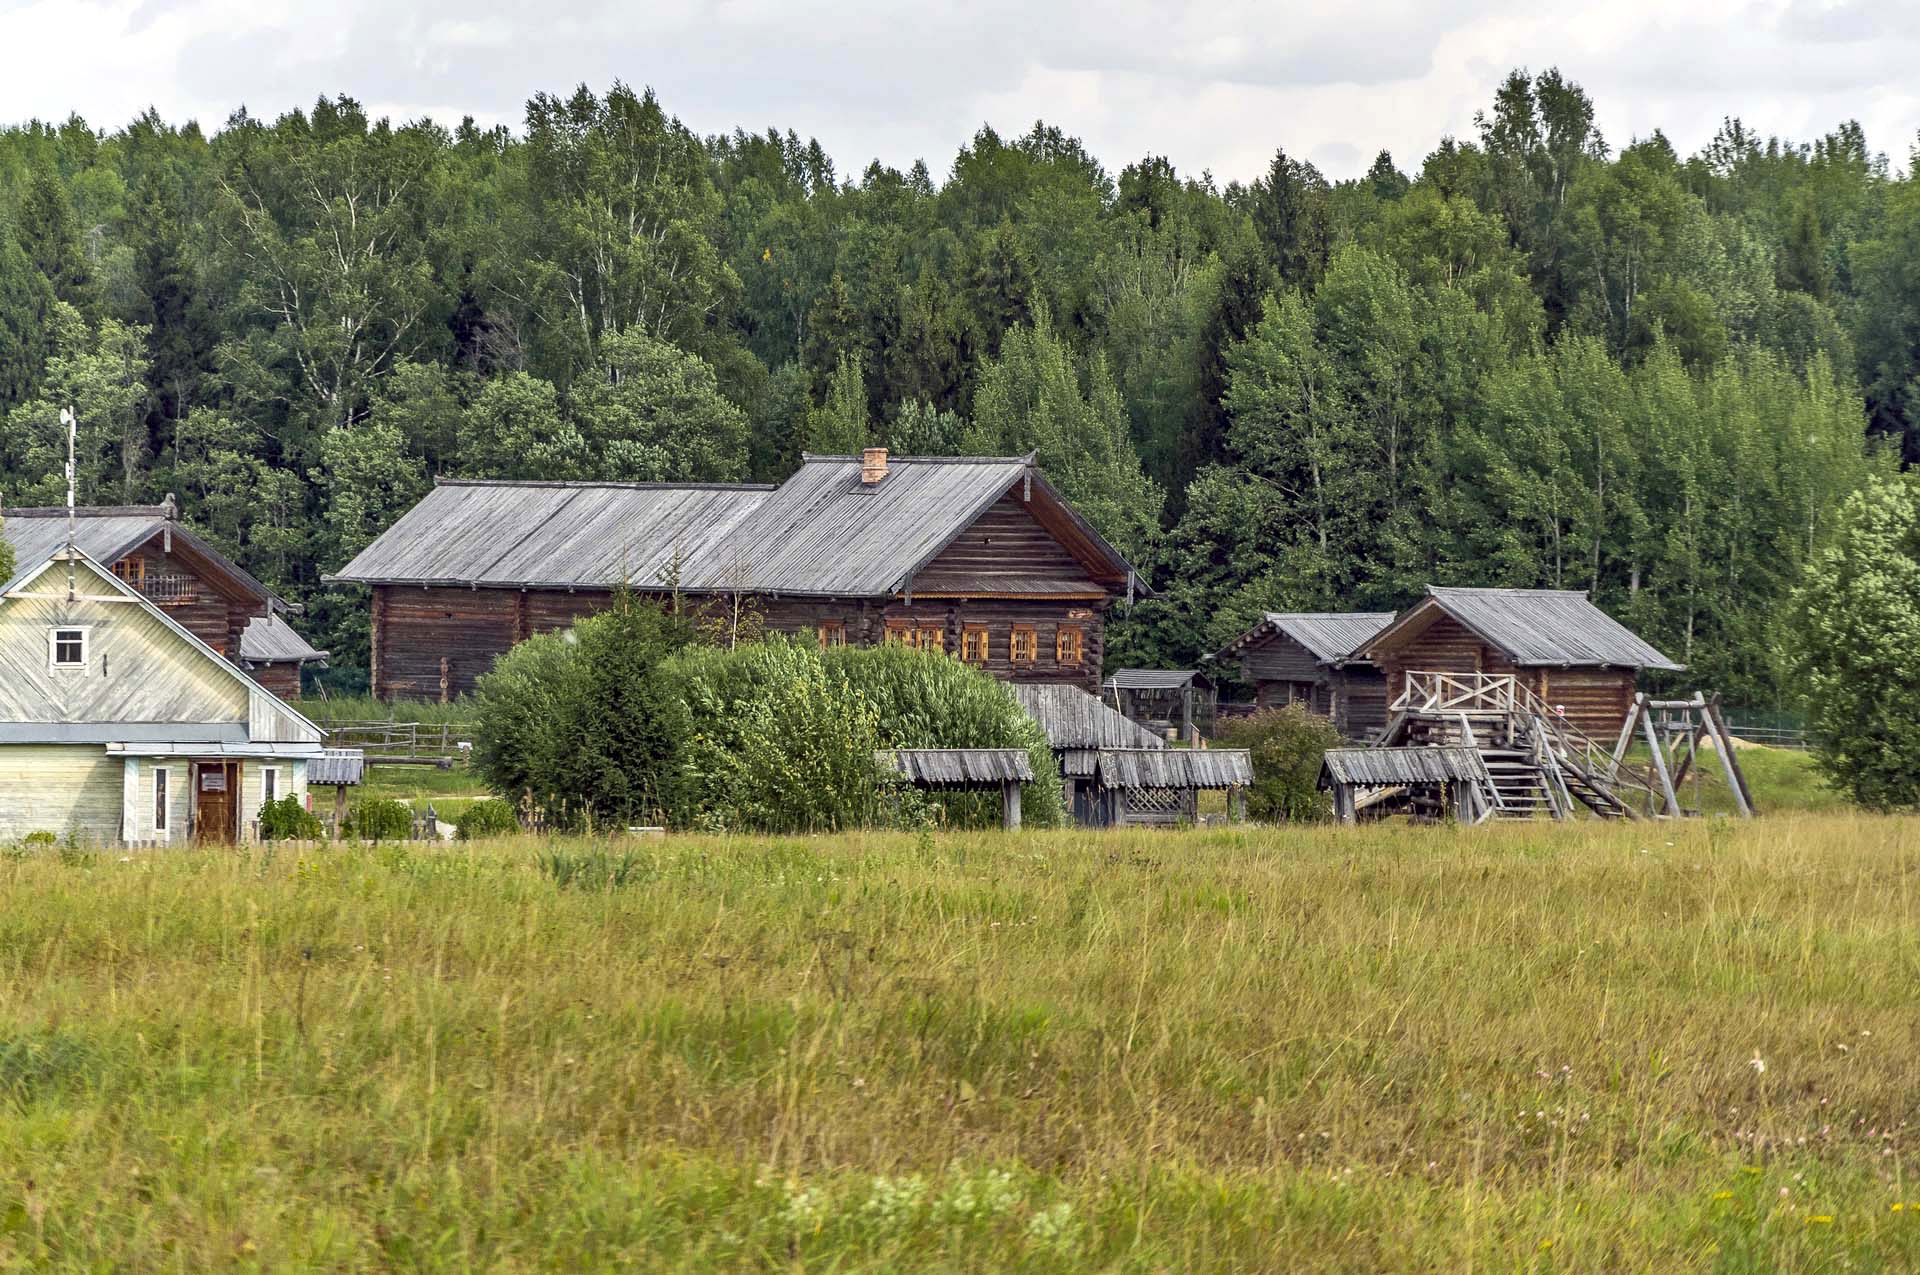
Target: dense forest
<point x="1533" y="359"/>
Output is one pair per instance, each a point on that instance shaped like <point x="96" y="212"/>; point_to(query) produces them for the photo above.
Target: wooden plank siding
<point x="72" y="791"/>
<point x="208" y="610"/>
<point x="1283" y="672"/>
<point x="1596" y="699"/>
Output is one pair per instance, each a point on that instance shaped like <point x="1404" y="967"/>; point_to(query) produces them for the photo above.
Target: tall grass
<point x="362" y="708"/>
<point x="1645" y="1047"/>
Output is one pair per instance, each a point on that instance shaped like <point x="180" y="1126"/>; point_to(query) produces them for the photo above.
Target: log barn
<point x="978" y="557"/>
<point x="118" y="725"/>
<point x="200" y="588"/>
<point x="1577" y="659"/>
<point x="1313" y="658"/>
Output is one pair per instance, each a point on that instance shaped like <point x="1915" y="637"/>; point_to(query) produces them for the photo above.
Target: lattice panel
<point x="1148" y="803"/>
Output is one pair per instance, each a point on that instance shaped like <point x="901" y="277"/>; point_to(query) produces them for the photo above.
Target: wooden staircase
<point x="1533" y="761"/>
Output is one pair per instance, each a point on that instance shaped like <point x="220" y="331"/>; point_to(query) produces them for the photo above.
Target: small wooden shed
<point x="1145" y="786"/>
<point x="1434" y="782"/>
<point x="1165" y="700"/>
<point x="966" y="770"/>
<point x="1312" y="658"/>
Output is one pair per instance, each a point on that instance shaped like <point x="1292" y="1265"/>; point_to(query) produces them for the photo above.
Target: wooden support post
<point x="1237" y="804"/>
<point x="339" y="810"/>
<point x="1186" y="715"/>
<point x="1659" y="761"/>
<point x="1626" y="736"/>
<point x="1010" y="805"/>
<point x="1723" y="744"/>
<point x="1698" y="704"/>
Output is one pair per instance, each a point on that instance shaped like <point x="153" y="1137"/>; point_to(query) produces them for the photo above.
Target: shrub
<point x="778" y="742"/>
<point x="578" y="722"/>
<point x="490" y="818"/>
<point x="1286" y="746"/>
<point x="598" y="870"/>
<point x="288" y="820"/>
<point x="927" y="700"/>
<point x="379" y="819"/>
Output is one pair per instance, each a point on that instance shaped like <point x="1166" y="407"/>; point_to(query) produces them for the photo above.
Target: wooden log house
<point x="1312" y="658"/>
<point x="1578" y="660"/>
<point x="978" y="557"/>
<point x="200" y="588"/>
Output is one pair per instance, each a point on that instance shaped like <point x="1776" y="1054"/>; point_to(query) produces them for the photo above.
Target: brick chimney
<point x="873" y="465"/>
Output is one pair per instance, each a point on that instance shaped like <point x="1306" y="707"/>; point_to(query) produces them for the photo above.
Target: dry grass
<point x="1516" y="1048"/>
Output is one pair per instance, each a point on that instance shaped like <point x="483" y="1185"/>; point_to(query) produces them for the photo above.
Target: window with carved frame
<point x="1069" y="645"/>
<point x="1024" y="645"/>
<point x="974" y="644"/>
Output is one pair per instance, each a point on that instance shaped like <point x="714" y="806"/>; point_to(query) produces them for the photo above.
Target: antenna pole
<point x="72" y="422"/>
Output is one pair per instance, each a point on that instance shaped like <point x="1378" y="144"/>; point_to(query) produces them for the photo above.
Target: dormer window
<point x="67" y="648"/>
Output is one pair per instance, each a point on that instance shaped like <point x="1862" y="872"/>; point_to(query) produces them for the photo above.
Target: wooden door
<point x="216" y="802"/>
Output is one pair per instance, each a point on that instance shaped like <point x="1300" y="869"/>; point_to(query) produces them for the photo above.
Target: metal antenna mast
<point x="72" y="423"/>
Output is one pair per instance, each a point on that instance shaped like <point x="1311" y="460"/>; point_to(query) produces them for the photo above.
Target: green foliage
<point x="777" y="742"/>
<point x="378" y="819"/>
<point x="578" y="723"/>
<point x="923" y="699"/>
<point x="594" y="871"/>
<point x="1286" y="745"/>
<point x="1857" y="624"/>
<point x="491" y="817"/>
<point x="289" y="820"/>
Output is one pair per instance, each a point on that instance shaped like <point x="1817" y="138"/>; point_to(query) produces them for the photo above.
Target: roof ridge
<point x="809" y="458"/>
<point x="86" y="511"/>
<point x="569" y="484"/>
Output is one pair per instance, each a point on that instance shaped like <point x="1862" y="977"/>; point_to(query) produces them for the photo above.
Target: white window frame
<point x="163" y="799"/>
<point x="54" y="662"/>
<point x="265" y="773"/>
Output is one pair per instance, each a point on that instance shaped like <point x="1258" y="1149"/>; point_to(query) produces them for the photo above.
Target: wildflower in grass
<point x="1758" y="1063"/>
<point x="1055" y="1228"/>
<point x="1820" y="1219"/>
<point x="1723" y="1195"/>
<point x="894" y="1202"/>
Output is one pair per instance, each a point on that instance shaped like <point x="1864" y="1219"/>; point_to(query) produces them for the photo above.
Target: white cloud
<point x="1208" y="84"/>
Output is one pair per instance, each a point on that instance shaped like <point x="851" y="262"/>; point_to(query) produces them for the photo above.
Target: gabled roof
<point x="108" y="533"/>
<point x="1155" y="679"/>
<point x="1382" y="767"/>
<point x="1073" y="719"/>
<point x="1530" y="627"/>
<point x="268" y="639"/>
<point x="1331" y="637"/>
<point x="1174" y="768"/>
<point x="821" y="533"/>
<point x="258" y="696"/>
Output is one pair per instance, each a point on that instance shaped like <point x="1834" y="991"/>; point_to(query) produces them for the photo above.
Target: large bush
<point x="926" y="700"/>
<point x="1286" y="746"/>
<point x="578" y="722"/>
<point x="379" y="819"/>
<point x="779" y="742"/>
<point x="1858" y="623"/>
<point x="490" y="818"/>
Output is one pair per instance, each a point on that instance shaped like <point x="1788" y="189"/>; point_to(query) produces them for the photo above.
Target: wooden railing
<point x="1450" y="695"/>
<point x="404" y="741"/>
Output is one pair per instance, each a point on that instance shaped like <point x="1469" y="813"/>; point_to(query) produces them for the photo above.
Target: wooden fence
<point x="425" y="742"/>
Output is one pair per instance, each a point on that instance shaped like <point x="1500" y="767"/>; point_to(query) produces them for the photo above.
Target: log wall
<point x="437" y="643"/>
<point x="1596" y="699"/>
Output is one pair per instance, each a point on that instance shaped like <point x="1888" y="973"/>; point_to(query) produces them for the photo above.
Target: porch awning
<point x="187" y="748"/>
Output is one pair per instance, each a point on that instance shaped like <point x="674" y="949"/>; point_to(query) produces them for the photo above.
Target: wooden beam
<point x="1660" y="764"/>
<point x="1723" y="744"/>
<point x="1010" y="805"/>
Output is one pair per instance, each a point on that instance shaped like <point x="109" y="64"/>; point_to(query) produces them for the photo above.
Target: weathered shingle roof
<point x="960" y="767"/>
<point x="1073" y="719"/>
<point x="1329" y="636"/>
<point x="821" y="533"/>
<point x="1174" y="768"/>
<point x="1536" y="626"/>
<point x="343" y="767"/>
<point x="1154" y="679"/>
<point x="107" y="533"/>
<point x="596" y="535"/>
<point x="1383" y="767"/>
<point x="271" y="640"/>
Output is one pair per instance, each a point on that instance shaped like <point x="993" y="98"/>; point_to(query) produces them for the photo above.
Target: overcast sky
<point x="1210" y="85"/>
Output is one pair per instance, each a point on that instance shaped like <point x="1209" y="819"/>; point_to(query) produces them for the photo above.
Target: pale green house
<point x="119" y="727"/>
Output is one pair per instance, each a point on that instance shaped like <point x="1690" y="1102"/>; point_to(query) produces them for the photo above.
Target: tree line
<point x="1535" y="360"/>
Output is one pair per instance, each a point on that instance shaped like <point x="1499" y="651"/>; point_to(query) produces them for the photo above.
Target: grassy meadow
<point x="1512" y="1048"/>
